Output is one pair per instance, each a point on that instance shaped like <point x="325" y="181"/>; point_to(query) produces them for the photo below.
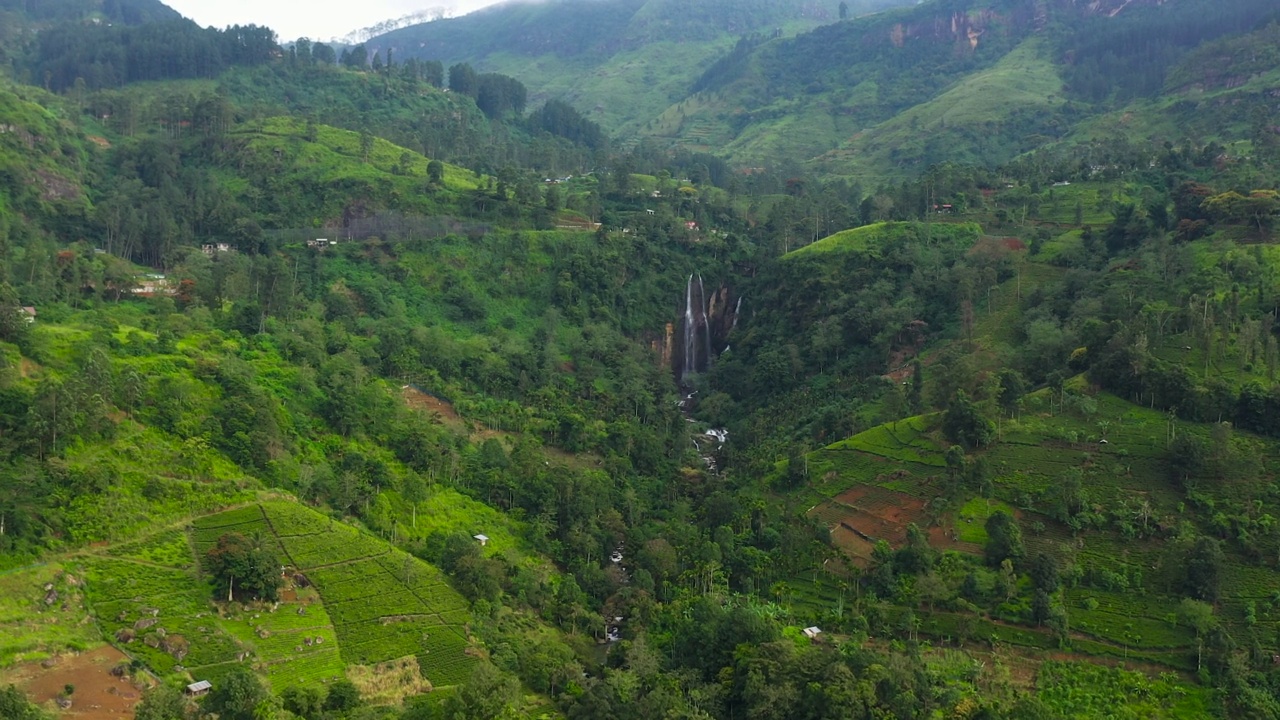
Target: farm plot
<point x="290" y="520"/>
<point x="320" y="543"/>
<point x="297" y="643"/>
<point x="904" y="441"/>
<point x="868" y="513"/>
<point x="35" y="624"/>
<point x="169" y="549"/>
<point x="1128" y="619"/>
<point x="384" y="604"/>
<point x="835" y="470"/>
<point x="163" y="616"/>
<point x="379" y="618"/>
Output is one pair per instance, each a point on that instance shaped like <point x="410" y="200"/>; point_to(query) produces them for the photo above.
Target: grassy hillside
<point x="44" y="157"/>
<point x="332" y="170"/>
<point x="989" y="117"/>
<point x="352" y="604"/>
<point x="620" y="62"/>
<point x="886" y="96"/>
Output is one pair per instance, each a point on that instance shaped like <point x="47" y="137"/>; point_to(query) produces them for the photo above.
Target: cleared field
<point x="169" y="549"/>
<point x="296" y="644"/>
<point x="971" y="519"/>
<point x="33" y="629"/>
<point x="1129" y="619"/>
<point x="163" y="616"/>
<point x="1086" y="690"/>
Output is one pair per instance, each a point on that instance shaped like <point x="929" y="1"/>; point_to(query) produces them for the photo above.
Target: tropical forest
<point x="639" y="359"/>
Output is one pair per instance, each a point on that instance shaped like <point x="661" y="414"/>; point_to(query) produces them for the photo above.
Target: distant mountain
<point x="128" y="12"/>
<point x="880" y="95"/>
<point x="886" y="96"/>
<point x="622" y="61"/>
<point x="20" y="20"/>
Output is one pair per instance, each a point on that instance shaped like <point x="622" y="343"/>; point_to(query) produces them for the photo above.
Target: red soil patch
<point x="419" y="400"/>
<point x="864" y="514"/>
<point x="98" y="695"/>
<point x="996" y="247"/>
<point x="858" y="549"/>
<point x="99" y="141"/>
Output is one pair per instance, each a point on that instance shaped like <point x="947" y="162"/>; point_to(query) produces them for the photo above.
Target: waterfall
<point x="706" y="324"/>
<point x="737" y="310"/>
<point x="696" y="333"/>
<point x="690" y="351"/>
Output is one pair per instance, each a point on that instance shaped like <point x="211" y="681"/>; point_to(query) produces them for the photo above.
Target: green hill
<point x="957" y="398"/>
<point x="888" y="95"/>
<point x="621" y="62"/>
<point x="351" y="602"/>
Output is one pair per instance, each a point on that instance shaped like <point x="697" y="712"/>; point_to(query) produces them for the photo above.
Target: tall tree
<point x="239" y="695"/>
<point x="249" y="568"/>
<point x="1004" y="538"/>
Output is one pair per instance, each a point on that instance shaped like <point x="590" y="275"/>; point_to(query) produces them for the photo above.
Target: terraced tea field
<point x="158" y="612"/>
<point x="384" y="603"/>
<point x="348" y="599"/>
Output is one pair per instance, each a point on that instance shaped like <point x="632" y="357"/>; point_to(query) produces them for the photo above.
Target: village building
<point x="202" y="687"/>
<point x="215" y="248"/>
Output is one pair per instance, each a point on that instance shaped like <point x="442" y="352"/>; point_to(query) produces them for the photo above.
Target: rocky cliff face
<point x="966" y="27"/>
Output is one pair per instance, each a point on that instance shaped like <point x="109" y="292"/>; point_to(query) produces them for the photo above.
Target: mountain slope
<point x="622" y="61"/>
<point x="21" y="20"/>
<point x="890" y="94"/>
<point x="965" y="124"/>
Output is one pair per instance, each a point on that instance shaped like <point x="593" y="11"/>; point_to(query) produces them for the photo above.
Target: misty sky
<point x="316" y="19"/>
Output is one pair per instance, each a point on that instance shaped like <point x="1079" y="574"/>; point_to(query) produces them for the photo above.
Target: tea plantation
<point x="348" y="599"/>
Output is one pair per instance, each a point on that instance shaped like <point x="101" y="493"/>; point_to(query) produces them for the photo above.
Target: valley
<point x="626" y="358"/>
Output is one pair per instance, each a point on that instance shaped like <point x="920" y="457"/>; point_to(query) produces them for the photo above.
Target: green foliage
<point x="245" y="564"/>
<point x="342" y="697"/>
<point x="238" y="695"/>
<point x="1004" y="538"/>
<point x="1204" y="569"/>
<point x="1109" y="69"/>
<point x="1086" y="690"/>
<point x="162" y="702"/>
<point x="14" y="705"/>
<point x="963" y="423"/>
<point x="105" y="55"/>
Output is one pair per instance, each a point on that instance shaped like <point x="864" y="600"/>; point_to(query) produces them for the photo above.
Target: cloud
<point x="316" y="19"/>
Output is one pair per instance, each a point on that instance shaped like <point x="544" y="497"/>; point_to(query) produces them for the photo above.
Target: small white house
<point x="482" y="539"/>
<point x="197" y="689"/>
<point x="812" y="632"/>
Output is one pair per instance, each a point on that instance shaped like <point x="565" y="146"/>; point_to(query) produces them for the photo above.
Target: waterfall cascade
<point x="706" y="325"/>
<point x="690" y="353"/>
<point x="696" y="329"/>
<point x="696" y="332"/>
<point x="708" y="317"/>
